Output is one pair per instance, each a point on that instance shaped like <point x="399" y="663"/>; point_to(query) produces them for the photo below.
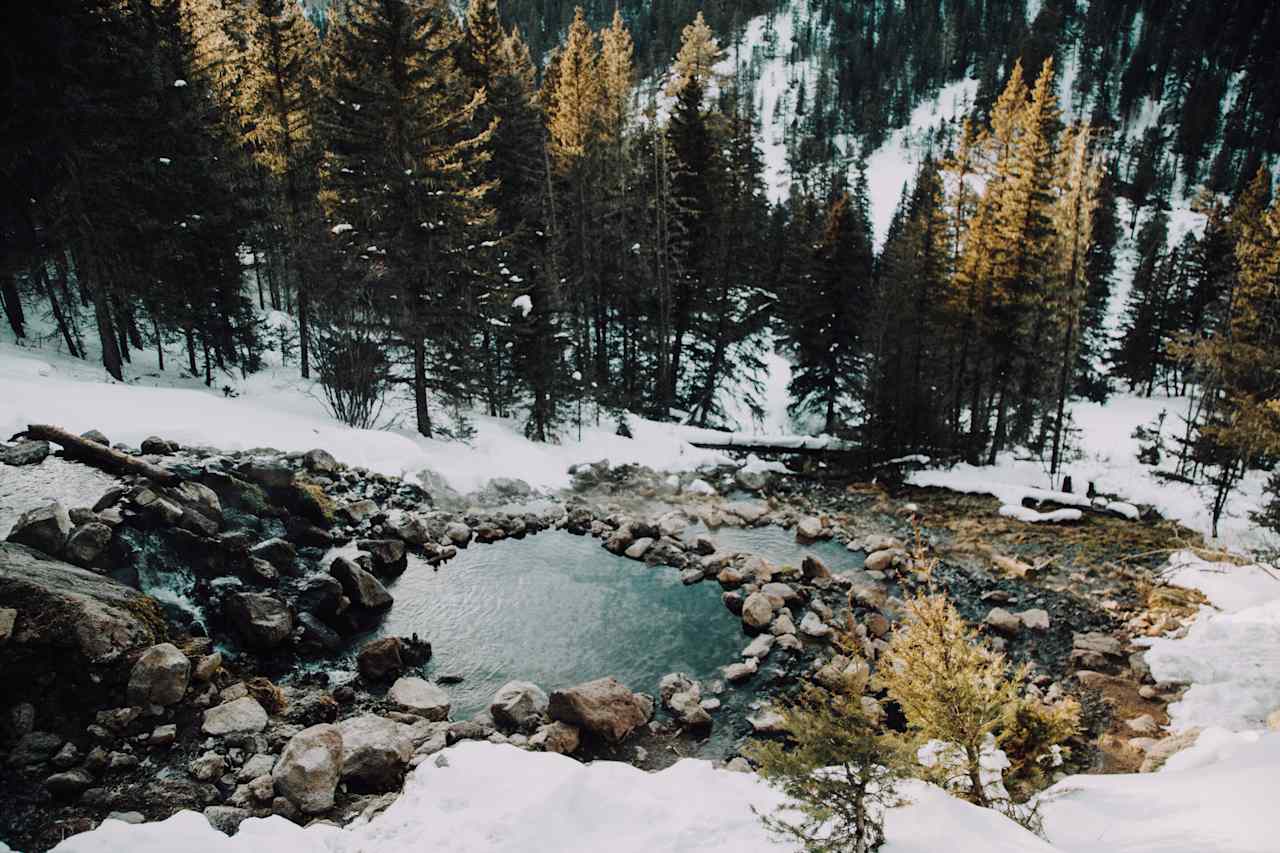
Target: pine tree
<point x="403" y="178"/>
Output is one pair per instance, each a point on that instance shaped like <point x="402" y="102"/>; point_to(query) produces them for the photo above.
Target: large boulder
<point x="375" y="752"/>
<point x="380" y="660"/>
<point x="319" y="461"/>
<point x="388" y="555"/>
<point x="239" y="716"/>
<point x="309" y="768"/>
<point x="45" y="528"/>
<point x="360" y="586"/>
<point x="87" y="543"/>
<point x="560" y="738"/>
<point x="603" y="707"/>
<point x="757" y="611"/>
<point x="420" y="697"/>
<point x="159" y="677"/>
<point x="65" y="608"/>
<point x="262" y="620"/>
<point x="518" y="705"/>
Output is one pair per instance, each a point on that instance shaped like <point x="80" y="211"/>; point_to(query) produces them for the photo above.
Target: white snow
<point x="1031" y="516"/>
<point x="341" y="228"/>
<point x="524" y="304"/>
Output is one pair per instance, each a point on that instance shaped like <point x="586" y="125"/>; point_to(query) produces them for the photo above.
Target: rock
<point x="263" y="621"/>
<point x="814" y="569"/>
<point x="689" y="577"/>
<point x="309" y="768"/>
<point x="87" y="543"/>
<point x="736" y="672"/>
<point x="757" y="611"/>
<point x="319" y="461"/>
<point x="1003" y="622"/>
<point x="68" y="784"/>
<point x="783" y="625"/>
<point x="69" y="755"/>
<point x="813" y="626"/>
<point x="8" y="618"/>
<point x="388" y="555"/>
<point x="768" y="722"/>
<point x="1166" y="748"/>
<point x="419" y="697"/>
<point x="749" y="511"/>
<point x="375" y="752"/>
<point x="603" y="707"/>
<point x="235" y="717"/>
<point x="24" y="453"/>
<point x="67" y="608"/>
<point x="407" y="526"/>
<point x="159" y="677"/>
<point x="319" y="594"/>
<point x="877" y="625"/>
<point x="519" y="705"/>
<point x="226" y="819"/>
<point x="733" y="602"/>
<point x="560" y="738"/>
<point x="759" y="647"/>
<point x="780" y="594"/>
<point x="738" y="764"/>
<point x="277" y="552"/>
<point x="266" y="472"/>
<point x="880" y="561"/>
<point x="156" y="446"/>
<point x="1096" y="651"/>
<point x="358" y="511"/>
<point x="1143" y="725"/>
<point x="127" y="817"/>
<point x="380" y="660"/>
<point x="258" y="765"/>
<point x="844" y="674"/>
<point x="96" y="437"/>
<point x="687" y="708"/>
<point x="458" y="534"/>
<point x="1035" y="619"/>
<point x="477" y="729"/>
<point x="34" y="748"/>
<point x="808" y="529"/>
<point x="880" y="542"/>
<point x="44" y="528"/>
<point x="637" y="549"/>
<point x="319" y="634"/>
<point x="207" y="767"/>
<point x="360" y="586"/>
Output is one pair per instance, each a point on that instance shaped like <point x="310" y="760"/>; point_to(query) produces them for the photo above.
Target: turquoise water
<point x="779" y="546"/>
<point x="557" y="609"/>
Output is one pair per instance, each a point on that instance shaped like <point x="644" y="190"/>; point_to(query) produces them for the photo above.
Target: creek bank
<point x="266" y="560"/>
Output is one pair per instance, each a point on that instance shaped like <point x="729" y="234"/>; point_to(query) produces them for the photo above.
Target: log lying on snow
<point x="100" y="455"/>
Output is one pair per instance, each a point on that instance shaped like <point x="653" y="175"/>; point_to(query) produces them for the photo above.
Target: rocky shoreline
<point x="124" y="707"/>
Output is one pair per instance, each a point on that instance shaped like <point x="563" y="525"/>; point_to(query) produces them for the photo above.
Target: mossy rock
<point x="309" y="501"/>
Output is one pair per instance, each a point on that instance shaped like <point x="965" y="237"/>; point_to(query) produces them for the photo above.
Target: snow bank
<point x="1031" y="516"/>
<point x="1217" y="797"/>
<point x="499" y="799"/>
<point x="1231" y="656"/>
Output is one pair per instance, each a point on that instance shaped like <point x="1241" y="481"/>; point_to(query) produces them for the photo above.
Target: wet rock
<point x="319" y="594"/>
<point x="68" y="784"/>
<point x="226" y="819"/>
<point x="1003" y="622"/>
<point x="603" y="707"/>
<point x="388" y="555"/>
<point x="319" y="461"/>
<point x="749" y="511"/>
<point x="407" y="526"/>
<point x="375" y="753"/>
<point x="519" y="705"/>
<point x="560" y="738"/>
<point x="731" y="578"/>
<point x="687" y="708"/>
<point x="380" y="660"/>
<point x="159" y="677"/>
<point x="317" y="634"/>
<point x="689" y="577"/>
<point x="620" y="540"/>
<point x="24" y="453"/>
<point x="733" y="602"/>
<point x="44" y="528"/>
<point x="307" y="534"/>
<point x="673" y="683"/>
<point x="262" y="620"/>
<point x="420" y="697"/>
<point x="277" y="552"/>
<point x="64" y="607"/>
<point x="87" y="543"/>
<point x="309" y="768"/>
<point x="458" y="534"/>
<point x="736" y="672"/>
<point x="757" y="611"/>
<point x="239" y="715"/>
<point x="360" y="586"/>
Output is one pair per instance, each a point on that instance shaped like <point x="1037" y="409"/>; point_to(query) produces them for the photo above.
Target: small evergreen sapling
<point x="839" y="774"/>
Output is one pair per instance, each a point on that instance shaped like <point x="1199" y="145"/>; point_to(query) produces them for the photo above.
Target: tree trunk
<point x="12" y="305"/>
<point x="102" y="314"/>
<point x="99" y="454"/>
<point x="155" y="329"/>
<point x="420" y="386"/>
<point x="56" y="310"/>
<point x="191" y="351"/>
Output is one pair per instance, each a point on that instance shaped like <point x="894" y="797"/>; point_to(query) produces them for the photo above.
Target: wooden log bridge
<point x="99" y="455"/>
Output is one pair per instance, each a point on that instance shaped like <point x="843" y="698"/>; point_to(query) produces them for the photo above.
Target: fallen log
<point x="109" y="459"/>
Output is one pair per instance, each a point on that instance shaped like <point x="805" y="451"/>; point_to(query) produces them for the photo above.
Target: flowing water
<point x="26" y="487"/>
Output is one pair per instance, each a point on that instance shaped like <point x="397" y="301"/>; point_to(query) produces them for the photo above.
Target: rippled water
<point x="557" y="609"/>
<point x="779" y="546"/>
<point x="26" y="487"/>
